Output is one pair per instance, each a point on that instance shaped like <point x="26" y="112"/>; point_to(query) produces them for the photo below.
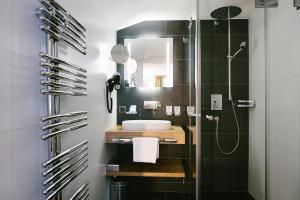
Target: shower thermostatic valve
<point x="216" y="102"/>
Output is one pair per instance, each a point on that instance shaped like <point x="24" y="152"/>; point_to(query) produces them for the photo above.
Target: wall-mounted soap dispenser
<point x="111" y="84"/>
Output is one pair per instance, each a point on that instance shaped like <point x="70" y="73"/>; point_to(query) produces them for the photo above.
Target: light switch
<point x="216" y="102"/>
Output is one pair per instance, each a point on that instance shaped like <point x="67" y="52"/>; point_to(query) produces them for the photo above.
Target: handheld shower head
<point x="243" y="45"/>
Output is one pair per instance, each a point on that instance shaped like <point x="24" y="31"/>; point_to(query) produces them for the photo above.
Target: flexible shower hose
<point x="238" y="132"/>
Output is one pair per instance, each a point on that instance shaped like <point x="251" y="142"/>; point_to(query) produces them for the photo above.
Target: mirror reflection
<point x="150" y="62"/>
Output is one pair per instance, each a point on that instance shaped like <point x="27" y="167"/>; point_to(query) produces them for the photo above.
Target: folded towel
<point x="145" y="149"/>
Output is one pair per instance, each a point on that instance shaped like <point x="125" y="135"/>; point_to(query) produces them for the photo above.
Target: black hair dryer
<point x="111" y="84"/>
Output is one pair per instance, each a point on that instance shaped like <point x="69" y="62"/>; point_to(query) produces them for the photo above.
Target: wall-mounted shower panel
<point x="216" y="102"/>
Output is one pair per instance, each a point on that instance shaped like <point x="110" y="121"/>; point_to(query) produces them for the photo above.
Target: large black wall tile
<point x="179" y="27"/>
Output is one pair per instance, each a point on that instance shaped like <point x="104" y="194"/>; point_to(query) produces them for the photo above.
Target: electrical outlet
<point x="216" y="102"/>
<point x="122" y="109"/>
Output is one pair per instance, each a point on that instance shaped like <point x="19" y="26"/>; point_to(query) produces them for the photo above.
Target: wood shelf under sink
<point x="172" y="168"/>
<point x="176" y="132"/>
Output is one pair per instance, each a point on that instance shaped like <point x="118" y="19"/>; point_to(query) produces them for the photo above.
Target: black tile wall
<point x="222" y="172"/>
<point x="183" y="58"/>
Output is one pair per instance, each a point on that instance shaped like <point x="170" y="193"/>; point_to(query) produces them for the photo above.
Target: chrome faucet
<point x="152" y="105"/>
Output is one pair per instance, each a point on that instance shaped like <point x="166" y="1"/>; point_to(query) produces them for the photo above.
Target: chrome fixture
<point x="246" y="103"/>
<point x="226" y="13"/>
<point x="216" y="102"/>
<point x="62" y="78"/>
<point x="152" y="105"/>
<point x="132" y="110"/>
<point x="129" y="141"/>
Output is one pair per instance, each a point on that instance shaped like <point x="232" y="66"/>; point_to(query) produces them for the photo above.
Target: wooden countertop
<point x="176" y="132"/>
<point x="163" y="168"/>
<point x="193" y="131"/>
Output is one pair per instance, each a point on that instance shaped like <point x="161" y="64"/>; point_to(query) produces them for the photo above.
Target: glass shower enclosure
<point x="230" y="96"/>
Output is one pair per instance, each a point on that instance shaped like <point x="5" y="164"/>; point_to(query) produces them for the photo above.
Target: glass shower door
<point x="231" y="99"/>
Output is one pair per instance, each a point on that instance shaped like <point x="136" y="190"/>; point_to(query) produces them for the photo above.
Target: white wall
<point x="99" y="69"/>
<point x="283" y="102"/>
<point x="256" y="186"/>
<point x="21" y="149"/>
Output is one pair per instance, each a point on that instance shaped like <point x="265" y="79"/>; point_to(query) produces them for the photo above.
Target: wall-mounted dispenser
<point x="111" y="84"/>
<point x="169" y="110"/>
<point x="177" y="111"/>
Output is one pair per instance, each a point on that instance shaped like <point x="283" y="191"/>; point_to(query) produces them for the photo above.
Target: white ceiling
<point x="117" y="14"/>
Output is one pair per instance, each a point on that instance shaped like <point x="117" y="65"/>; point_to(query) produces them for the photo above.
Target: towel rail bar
<point x="62" y="69"/>
<point x="129" y="140"/>
<point x="76" y="156"/>
<point x="73" y="121"/>
<point x="73" y="128"/>
<point x="71" y="114"/>
<point x="63" y="154"/>
<point x="63" y="185"/>
<point x="81" y="191"/>
<point x="64" y="84"/>
<point x="65" y="169"/>
<point x="65" y="176"/>
<point x="59" y="61"/>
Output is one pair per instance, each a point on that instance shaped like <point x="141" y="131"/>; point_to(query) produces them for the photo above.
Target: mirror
<point x="150" y="62"/>
<point x="119" y="54"/>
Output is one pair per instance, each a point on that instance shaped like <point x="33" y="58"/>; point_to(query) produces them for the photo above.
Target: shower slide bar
<point x="60" y="61"/>
<point x="129" y="141"/>
<point x="71" y="114"/>
<point x="77" y="155"/>
<point x="64" y="154"/>
<point x="61" y="38"/>
<point x="69" y="122"/>
<point x="81" y="192"/>
<point x="62" y="13"/>
<point x="63" y="131"/>
<point x="64" y="184"/>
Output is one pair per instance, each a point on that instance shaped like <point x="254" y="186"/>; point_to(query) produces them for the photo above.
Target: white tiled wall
<point x="283" y="102"/>
<point x="21" y="149"/>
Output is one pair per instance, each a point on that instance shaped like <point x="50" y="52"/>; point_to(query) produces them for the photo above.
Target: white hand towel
<point x="145" y="149"/>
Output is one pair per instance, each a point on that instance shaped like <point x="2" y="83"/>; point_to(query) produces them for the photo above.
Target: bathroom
<point x="150" y="100"/>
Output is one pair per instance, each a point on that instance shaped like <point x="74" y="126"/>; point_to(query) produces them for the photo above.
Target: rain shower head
<point x="226" y="12"/>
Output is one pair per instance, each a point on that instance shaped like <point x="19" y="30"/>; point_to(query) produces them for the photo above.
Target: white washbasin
<point x="146" y="125"/>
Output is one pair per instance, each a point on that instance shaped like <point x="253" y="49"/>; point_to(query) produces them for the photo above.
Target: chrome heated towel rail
<point x="62" y="78"/>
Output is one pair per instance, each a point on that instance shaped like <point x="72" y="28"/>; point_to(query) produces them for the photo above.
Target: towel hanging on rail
<point x="145" y="149"/>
